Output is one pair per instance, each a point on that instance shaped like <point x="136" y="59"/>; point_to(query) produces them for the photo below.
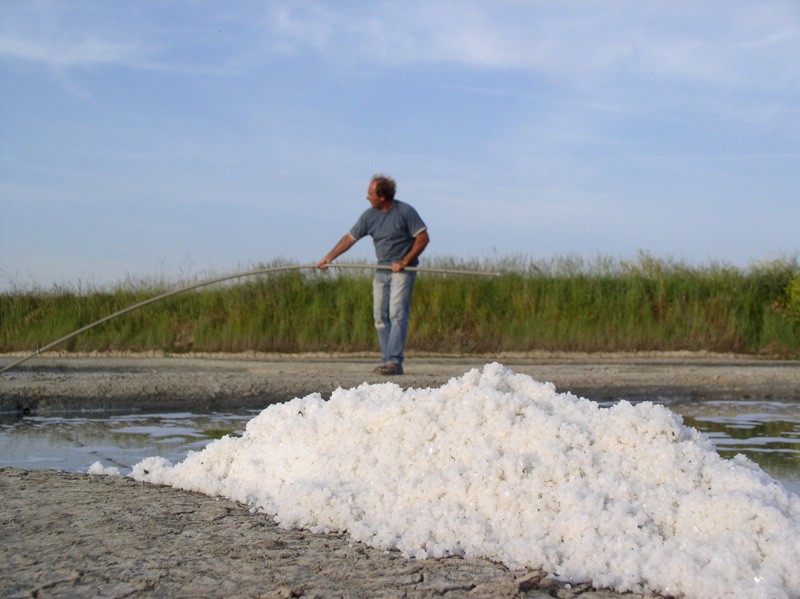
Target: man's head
<point x="384" y="187"/>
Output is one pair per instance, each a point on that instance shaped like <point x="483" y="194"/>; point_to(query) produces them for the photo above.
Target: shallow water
<point x="767" y="432"/>
<point x="73" y="443"/>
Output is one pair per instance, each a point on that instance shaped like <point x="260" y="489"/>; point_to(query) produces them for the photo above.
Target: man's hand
<point x="345" y="243"/>
<point x="398" y="266"/>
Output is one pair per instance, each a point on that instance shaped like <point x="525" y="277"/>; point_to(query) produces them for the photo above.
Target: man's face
<point x="372" y="196"/>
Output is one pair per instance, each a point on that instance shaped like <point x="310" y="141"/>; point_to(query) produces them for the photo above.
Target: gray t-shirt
<point x="393" y="231"/>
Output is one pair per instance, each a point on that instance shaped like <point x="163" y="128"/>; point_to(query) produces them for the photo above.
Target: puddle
<point x="767" y="432"/>
<point x="74" y="443"/>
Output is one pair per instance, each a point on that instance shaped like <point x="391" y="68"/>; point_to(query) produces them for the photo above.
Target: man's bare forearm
<point x="345" y="243"/>
<point x="420" y="243"/>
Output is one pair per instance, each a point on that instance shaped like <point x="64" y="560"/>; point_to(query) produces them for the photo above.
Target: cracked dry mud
<point x="76" y="535"/>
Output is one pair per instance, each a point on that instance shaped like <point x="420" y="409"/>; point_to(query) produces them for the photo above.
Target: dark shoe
<point x="392" y="368"/>
<point x="379" y="369"/>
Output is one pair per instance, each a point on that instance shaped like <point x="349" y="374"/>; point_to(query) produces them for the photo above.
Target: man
<point x="399" y="236"/>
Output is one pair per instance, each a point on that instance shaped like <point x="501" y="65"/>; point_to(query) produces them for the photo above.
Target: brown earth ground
<point x="76" y="535"/>
<point x="131" y="383"/>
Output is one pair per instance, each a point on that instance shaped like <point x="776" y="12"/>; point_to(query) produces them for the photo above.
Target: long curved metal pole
<point x="240" y="275"/>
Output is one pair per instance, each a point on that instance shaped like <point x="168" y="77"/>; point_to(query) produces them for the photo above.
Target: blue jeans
<point x="391" y="301"/>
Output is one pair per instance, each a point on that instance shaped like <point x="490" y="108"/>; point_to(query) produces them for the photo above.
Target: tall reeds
<point x="562" y="304"/>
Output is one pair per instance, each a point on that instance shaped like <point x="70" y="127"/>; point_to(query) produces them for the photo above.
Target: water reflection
<point x="74" y="443"/>
<point x="767" y="432"/>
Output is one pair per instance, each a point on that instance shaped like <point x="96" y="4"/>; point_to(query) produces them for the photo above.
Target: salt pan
<point x="498" y="465"/>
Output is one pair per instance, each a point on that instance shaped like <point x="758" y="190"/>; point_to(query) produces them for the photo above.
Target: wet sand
<point x="76" y="535"/>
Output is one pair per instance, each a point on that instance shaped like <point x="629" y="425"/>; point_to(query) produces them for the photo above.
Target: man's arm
<point x="420" y="242"/>
<point x="345" y="243"/>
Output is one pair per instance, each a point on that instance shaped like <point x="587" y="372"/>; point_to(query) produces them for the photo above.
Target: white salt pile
<point x="496" y="464"/>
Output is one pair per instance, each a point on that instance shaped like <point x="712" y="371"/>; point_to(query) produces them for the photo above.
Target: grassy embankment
<point x="566" y="304"/>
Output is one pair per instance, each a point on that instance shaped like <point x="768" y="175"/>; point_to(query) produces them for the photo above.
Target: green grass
<point x="563" y="304"/>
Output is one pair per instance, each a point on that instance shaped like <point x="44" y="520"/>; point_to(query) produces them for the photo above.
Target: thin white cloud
<point x="63" y="36"/>
<point x="70" y="53"/>
<point x="720" y="43"/>
<point x="312" y="27"/>
<point x="739" y="43"/>
<point x="56" y="35"/>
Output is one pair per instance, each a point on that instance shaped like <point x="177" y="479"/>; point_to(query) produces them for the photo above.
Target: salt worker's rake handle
<point x="260" y="271"/>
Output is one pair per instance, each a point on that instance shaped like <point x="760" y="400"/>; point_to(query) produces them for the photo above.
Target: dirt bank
<point x="139" y="383"/>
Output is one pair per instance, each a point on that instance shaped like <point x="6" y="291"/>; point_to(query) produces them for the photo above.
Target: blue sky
<point x="156" y="139"/>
